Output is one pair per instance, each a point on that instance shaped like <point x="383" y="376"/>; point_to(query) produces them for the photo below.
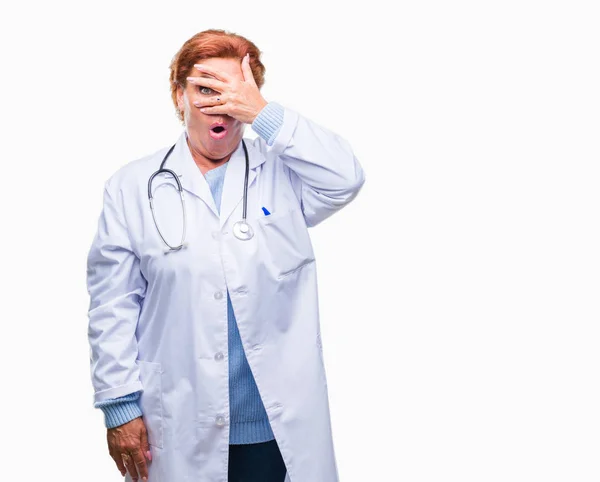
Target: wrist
<point x="269" y="121"/>
<point x="261" y="106"/>
<point x="120" y="413"/>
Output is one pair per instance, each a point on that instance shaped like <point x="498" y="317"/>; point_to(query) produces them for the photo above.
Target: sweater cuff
<point x="118" y="411"/>
<point x="268" y="122"/>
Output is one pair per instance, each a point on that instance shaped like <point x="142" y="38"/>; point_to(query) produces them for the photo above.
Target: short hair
<point x="207" y="44"/>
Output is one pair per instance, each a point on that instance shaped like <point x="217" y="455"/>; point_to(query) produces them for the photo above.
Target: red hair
<point x="207" y="44"/>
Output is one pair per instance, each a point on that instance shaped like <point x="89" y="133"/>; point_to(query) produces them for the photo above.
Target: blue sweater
<point x="248" y="418"/>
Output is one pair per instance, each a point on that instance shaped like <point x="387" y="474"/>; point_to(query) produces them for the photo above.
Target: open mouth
<point x="218" y="131"/>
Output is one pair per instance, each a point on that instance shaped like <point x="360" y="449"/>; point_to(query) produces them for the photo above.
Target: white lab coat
<point x="159" y="322"/>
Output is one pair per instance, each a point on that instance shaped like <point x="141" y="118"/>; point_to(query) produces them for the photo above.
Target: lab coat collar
<point x="192" y="180"/>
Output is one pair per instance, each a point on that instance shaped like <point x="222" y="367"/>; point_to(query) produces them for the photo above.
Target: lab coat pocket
<point x="151" y="401"/>
<point x="284" y="242"/>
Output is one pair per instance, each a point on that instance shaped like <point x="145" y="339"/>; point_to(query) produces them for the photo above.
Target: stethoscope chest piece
<point x="242" y="230"/>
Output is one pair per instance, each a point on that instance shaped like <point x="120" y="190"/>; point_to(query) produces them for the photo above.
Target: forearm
<point x="320" y="164"/>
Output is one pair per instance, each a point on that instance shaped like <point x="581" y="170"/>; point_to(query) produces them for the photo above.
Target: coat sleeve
<point x="321" y="166"/>
<point x="116" y="288"/>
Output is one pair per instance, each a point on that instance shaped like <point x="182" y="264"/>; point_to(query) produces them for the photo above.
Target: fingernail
<point x="149" y="455"/>
<point x="190" y="79"/>
<point x="198" y="66"/>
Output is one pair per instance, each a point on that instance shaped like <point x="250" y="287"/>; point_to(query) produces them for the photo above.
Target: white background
<point x="458" y="292"/>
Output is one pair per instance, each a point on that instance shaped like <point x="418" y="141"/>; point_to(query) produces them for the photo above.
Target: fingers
<point x="247" y="70"/>
<point x="208" y="82"/>
<point x="119" y="461"/>
<point x="217" y="109"/>
<point x="217" y="74"/>
<point x="145" y="446"/>
<point x="140" y="463"/>
<point x="214" y="106"/>
<point x="128" y="446"/>
<point x="215" y="100"/>
<point x="130" y="465"/>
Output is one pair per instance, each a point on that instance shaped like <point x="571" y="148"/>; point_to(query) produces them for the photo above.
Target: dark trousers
<point x="260" y="462"/>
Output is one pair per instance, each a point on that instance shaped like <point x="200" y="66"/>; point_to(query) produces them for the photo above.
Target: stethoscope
<point x="241" y="229"/>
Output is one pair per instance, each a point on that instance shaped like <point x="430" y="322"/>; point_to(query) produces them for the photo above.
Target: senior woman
<point x="206" y="356"/>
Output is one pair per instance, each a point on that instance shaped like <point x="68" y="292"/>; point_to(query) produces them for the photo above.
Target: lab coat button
<point x="218" y="356"/>
<point x="218" y="295"/>
<point x="220" y="421"/>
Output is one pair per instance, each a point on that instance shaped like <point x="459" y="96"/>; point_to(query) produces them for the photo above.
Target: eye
<point x="201" y="88"/>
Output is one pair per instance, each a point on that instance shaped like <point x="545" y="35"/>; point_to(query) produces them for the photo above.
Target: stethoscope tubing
<point x="182" y="244"/>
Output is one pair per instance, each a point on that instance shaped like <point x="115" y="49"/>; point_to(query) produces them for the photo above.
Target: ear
<point x="180" y="103"/>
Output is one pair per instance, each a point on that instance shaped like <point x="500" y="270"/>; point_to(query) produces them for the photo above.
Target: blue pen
<point x="265" y="211"/>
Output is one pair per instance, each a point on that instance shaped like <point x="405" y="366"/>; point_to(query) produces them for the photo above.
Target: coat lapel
<point x="192" y="180"/>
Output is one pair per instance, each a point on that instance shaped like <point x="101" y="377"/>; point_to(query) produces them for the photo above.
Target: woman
<point x="206" y="359"/>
